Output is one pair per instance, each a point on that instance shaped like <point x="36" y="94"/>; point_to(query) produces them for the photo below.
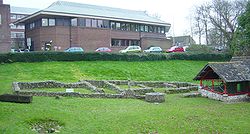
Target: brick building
<point x="69" y="24"/>
<point x="4" y="27"/>
<point x="17" y="31"/>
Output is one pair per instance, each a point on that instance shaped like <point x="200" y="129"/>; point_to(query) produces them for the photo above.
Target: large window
<point x="74" y="22"/>
<point x="112" y="25"/>
<point x="13" y="16"/>
<point x="17" y="35"/>
<point x="123" y="26"/>
<point x="146" y="28"/>
<point x="63" y="22"/>
<point x="88" y="22"/>
<point x="142" y="28"/>
<point x="124" y="42"/>
<point x="45" y="22"/>
<point x="81" y="22"/>
<point x="52" y="22"/>
<point x="48" y="22"/>
<point x="118" y="25"/>
<point x="94" y="23"/>
<point x="100" y="23"/>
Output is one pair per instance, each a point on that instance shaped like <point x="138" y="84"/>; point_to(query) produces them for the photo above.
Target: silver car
<point x="153" y="50"/>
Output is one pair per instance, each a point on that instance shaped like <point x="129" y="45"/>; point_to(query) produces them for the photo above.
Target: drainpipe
<point x="70" y="35"/>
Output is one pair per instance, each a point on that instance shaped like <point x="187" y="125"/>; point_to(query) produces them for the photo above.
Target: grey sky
<point x="175" y="12"/>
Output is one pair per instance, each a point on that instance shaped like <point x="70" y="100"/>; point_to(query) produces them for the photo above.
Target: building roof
<point x="237" y="70"/>
<point x="72" y="9"/>
<point x="23" y="10"/>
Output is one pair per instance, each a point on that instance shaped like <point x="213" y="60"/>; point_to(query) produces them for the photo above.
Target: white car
<point x="131" y="49"/>
<point x="153" y="50"/>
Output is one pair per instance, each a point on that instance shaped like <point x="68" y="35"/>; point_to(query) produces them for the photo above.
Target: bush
<point x="65" y="56"/>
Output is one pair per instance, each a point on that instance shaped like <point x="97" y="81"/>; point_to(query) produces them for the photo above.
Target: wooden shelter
<point x="231" y="78"/>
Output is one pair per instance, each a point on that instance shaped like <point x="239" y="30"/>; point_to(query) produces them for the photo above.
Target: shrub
<point x="65" y="56"/>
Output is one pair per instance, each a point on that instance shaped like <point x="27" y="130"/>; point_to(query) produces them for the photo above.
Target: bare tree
<point x="219" y="18"/>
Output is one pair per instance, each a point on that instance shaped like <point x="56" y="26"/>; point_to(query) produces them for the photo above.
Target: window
<point x="12" y="26"/>
<point x="118" y="26"/>
<point x="19" y="16"/>
<point x="52" y="22"/>
<point x="146" y="28"/>
<point x="158" y="29"/>
<point x="13" y="16"/>
<point x="123" y="26"/>
<point x="135" y="43"/>
<point x="81" y="21"/>
<point x="112" y="25"/>
<point x="17" y="35"/>
<point x="132" y="27"/>
<point x="151" y="29"/>
<point x="0" y="19"/>
<point x="20" y="26"/>
<point x="74" y="22"/>
<point x="128" y="27"/>
<point x="88" y="23"/>
<point x="100" y="23"/>
<point x="124" y="42"/>
<point x="162" y="30"/>
<point x="45" y="22"/>
<point x="62" y="21"/>
<point x="94" y="23"/>
<point x="106" y="23"/>
<point x="142" y="28"/>
<point x="32" y="25"/>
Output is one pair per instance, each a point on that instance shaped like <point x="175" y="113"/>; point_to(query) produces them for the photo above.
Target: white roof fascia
<point x="90" y="16"/>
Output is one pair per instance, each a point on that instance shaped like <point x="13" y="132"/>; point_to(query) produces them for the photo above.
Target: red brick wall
<point x="88" y="38"/>
<point x="4" y="28"/>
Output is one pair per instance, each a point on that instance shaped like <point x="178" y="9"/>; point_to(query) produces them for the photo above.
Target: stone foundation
<point x="224" y="97"/>
<point x="97" y="87"/>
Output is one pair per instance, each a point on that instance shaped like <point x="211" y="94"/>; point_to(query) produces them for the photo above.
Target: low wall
<point x="25" y="88"/>
<point x="224" y="98"/>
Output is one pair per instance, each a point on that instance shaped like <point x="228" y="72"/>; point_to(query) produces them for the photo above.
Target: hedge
<point x="66" y="56"/>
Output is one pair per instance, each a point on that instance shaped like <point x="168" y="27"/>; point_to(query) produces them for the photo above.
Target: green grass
<point x="112" y="116"/>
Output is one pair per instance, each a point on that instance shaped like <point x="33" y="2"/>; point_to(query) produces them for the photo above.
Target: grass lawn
<point x="112" y="116"/>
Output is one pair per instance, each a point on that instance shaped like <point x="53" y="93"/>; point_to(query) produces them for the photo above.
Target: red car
<point x="175" y="49"/>
<point x="103" y="49"/>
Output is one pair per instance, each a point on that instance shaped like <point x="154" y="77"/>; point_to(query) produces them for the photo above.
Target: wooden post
<point x="225" y="88"/>
<point x="212" y="84"/>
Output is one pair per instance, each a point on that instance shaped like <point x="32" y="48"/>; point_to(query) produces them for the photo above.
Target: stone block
<point x="155" y="97"/>
<point x="16" y="98"/>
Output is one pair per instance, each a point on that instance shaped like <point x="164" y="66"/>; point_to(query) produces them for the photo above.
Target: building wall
<point x="160" y="42"/>
<point x="17" y="32"/>
<point x="4" y="28"/>
<point x="90" y="38"/>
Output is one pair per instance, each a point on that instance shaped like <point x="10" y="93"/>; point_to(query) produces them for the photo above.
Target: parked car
<point x="74" y="49"/>
<point x="175" y="49"/>
<point x="153" y="50"/>
<point x="219" y="48"/>
<point x="133" y="49"/>
<point x="103" y="49"/>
